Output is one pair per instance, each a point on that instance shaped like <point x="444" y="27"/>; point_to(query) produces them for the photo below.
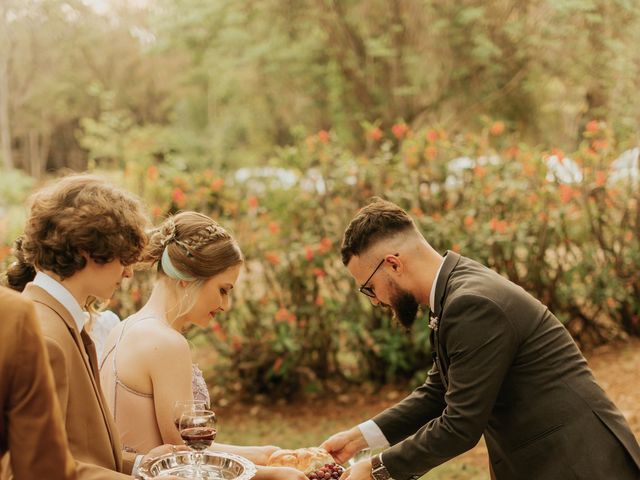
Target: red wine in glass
<point x="198" y="438"/>
<point x="198" y="429"/>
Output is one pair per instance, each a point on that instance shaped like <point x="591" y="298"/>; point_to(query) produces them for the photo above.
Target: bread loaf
<point x="306" y="460"/>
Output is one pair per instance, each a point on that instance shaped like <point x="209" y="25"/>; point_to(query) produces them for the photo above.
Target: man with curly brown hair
<point x="81" y="238"/>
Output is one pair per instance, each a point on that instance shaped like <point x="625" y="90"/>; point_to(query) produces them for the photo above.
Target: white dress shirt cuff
<point x="373" y="435"/>
<point x="136" y="465"/>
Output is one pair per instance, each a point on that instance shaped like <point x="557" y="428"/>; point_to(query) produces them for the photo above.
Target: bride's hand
<point x="279" y="473"/>
<point x="260" y="455"/>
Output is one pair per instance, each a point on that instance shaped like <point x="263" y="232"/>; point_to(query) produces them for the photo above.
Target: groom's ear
<point x="395" y="262"/>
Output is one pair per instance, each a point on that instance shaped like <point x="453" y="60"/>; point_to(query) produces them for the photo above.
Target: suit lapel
<point x="451" y="259"/>
<point x="87" y="350"/>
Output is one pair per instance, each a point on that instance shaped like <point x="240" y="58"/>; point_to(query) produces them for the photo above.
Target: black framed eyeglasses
<point x="368" y="291"/>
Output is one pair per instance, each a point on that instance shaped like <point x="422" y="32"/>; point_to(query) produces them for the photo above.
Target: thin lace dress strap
<point x="199" y="386"/>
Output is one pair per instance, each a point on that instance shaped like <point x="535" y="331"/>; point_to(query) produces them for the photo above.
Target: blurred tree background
<point x="281" y="117"/>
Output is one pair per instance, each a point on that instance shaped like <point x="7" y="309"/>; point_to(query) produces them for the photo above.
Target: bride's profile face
<point x="214" y="297"/>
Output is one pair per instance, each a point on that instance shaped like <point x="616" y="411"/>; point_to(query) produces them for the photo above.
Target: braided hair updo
<point x="197" y="247"/>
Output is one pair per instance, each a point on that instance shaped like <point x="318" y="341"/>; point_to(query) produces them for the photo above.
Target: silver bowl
<point x="216" y="465"/>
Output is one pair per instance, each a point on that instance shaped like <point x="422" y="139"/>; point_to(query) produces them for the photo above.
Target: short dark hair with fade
<point x="375" y="221"/>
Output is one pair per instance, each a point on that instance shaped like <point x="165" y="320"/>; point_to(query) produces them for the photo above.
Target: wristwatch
<point x="378" y="470"/>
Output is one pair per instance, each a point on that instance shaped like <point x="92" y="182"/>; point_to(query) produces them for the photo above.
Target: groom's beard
<point x="405" y="307"/>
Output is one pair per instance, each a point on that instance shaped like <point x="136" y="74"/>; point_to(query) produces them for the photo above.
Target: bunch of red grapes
<point x="330" y="471"/>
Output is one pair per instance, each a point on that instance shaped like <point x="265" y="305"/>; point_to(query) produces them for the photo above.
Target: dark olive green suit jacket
<point x="505" y="367"/>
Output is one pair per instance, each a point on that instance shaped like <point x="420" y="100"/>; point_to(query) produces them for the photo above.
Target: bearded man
<point x="504" y="367"/>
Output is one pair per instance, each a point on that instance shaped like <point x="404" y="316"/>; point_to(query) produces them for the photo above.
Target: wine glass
<point x="364" y="453"/>
<point x="185" y="406"/>
<point x="198" y="429"/>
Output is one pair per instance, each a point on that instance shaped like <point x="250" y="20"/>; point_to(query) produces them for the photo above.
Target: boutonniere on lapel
<point x="434" y="323"/>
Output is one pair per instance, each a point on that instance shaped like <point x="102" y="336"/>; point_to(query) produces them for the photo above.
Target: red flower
<point x="468" y="221"/>
<point x="178" y="197"/>
<point x="319" y="300"/>
<point x="601" y="178"/>
<point x="374" y="134"/>
<point x="400" y="130"/>
<point x="432" y="135"/>
<point x="323" y="136"/>
<point x="252" y="202"/>
<point x="497" y="129"/>
<point x="319" y="272"/>
<point x="308" y="253"/>
<point x="274" y="228"/>
<point x="592" y="126"/>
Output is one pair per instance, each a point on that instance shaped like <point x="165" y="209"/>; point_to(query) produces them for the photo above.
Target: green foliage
<point x="299" y="325"/>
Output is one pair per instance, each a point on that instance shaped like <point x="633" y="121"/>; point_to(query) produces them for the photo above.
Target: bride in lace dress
<point x="147" y="363"/>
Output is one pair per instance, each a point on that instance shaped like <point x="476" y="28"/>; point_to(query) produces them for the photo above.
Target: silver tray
<point x="216" y="465"/>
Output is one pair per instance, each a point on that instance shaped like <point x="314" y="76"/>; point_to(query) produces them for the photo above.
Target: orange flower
<point x="5" y="250"/>
<point x="601" y="178"/>
<point x="400" y="130"/>
<point x="512" y="152"/>
<point x="216" y="184"/>
<point x="156" y="211"/>
<point x="430" y="152"/>
<point x="566" y="193"/>
<point x="455" y="247"/>
<point x="499" y="226"/>
<point x="432" y="135"/>
<point x="273" y="258"/>
<point x="325" y="245"/>
<point x="152" y="173"/>
<point x="542" y="216"/>
<point x="274" y="228"/>
<point x="323" y="136"/>
<point x="252" y="201"/>
<point x="319" y="300"/>
<point x="480" y="171"/>
<point x="374" y="134"/>
<point x="283" y="315"/>
<point x="497" y="129"/>
<point x="468" y="221"/>
<point x="417" y="211"/>
<point x="599" y="144"/>
<point x="592" y="126"/>
<point x="308" y="253"/>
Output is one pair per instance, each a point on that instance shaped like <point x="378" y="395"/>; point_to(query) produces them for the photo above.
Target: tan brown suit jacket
<point x="93" y="438"/>
<point x="31" y="426"/>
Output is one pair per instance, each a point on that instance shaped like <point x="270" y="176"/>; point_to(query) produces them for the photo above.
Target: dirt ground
<point x="291" y="426"/>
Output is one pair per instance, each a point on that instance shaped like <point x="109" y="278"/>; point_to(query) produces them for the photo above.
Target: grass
<point x="299" y="426"/>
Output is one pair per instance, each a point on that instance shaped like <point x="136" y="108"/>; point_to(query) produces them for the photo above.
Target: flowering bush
<point x="565" y="229"/>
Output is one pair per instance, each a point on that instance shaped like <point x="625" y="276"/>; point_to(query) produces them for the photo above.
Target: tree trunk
<point x="5" y="131"/>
